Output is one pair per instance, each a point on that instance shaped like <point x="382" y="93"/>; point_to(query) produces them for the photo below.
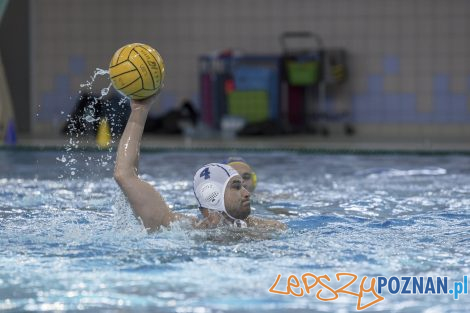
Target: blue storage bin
<point x="252" y="78"/>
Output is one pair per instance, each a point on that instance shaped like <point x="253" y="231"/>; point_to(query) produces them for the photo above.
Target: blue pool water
<point x="69" y="242"/>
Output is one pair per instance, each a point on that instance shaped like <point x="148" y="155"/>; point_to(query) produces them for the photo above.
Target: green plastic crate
<point x="303" y="73"/>
<point x="251" y="105"/>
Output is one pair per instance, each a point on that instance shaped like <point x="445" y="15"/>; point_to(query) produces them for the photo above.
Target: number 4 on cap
<point x="205" y="173"/>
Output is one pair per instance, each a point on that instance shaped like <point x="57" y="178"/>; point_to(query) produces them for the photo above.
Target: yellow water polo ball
<point x="137" y="71"/>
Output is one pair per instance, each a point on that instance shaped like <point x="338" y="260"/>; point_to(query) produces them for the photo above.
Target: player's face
<point x="246" y="173"/>
<point x="237" y="198"/>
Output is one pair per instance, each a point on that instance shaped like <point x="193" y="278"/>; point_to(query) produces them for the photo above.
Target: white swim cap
<point x="209" y="185"/>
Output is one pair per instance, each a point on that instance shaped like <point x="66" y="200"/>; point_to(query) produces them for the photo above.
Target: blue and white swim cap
<point x="209" y="185"/>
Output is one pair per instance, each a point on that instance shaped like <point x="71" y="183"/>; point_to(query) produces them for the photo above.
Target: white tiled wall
<point x="429" y="37"/>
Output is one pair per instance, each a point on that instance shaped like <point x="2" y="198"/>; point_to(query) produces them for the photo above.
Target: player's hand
<point x="148" y="102"/>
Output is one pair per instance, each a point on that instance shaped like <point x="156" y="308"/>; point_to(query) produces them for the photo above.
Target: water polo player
<point x="217" y="187"/>
<point x="245" y="171"/>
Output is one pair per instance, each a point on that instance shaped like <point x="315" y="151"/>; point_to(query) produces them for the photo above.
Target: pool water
<point x="69" y="241"/>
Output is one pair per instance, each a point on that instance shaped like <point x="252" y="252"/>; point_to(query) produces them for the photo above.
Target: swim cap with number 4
<point x="209" y="185"/>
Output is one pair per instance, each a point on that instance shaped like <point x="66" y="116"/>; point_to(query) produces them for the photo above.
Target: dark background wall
<point x="15" y="47"/>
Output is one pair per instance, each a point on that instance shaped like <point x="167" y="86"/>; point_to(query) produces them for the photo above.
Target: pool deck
<point x="291" y="142"/>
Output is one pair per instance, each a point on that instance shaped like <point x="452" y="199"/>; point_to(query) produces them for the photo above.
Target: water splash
<point x="82" y="126"/>
<point x="105" y="91"/>
<point x="98" y="72"/>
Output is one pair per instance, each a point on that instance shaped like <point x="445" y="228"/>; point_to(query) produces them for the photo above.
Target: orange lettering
<point x="297" y="285"/>
<point x="305" y="281"/>
<point x="362" y="290"/>
<point x="293" y="282"/>
<point x="327" y="287"/>
<point x="342" y="289"/>
<point x="275" y="285"/>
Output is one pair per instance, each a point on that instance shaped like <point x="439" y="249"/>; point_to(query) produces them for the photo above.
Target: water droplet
<point x="90" y="119"/>
<point x="62" y="159"/>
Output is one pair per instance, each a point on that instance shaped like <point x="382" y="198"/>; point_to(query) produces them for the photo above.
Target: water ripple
<point x="74" y="244"/>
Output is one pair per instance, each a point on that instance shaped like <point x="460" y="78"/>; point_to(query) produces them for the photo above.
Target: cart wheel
<point x="349" y="130"/>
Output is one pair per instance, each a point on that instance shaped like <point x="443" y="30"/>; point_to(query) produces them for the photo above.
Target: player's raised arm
<point x="146" y="201"/>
